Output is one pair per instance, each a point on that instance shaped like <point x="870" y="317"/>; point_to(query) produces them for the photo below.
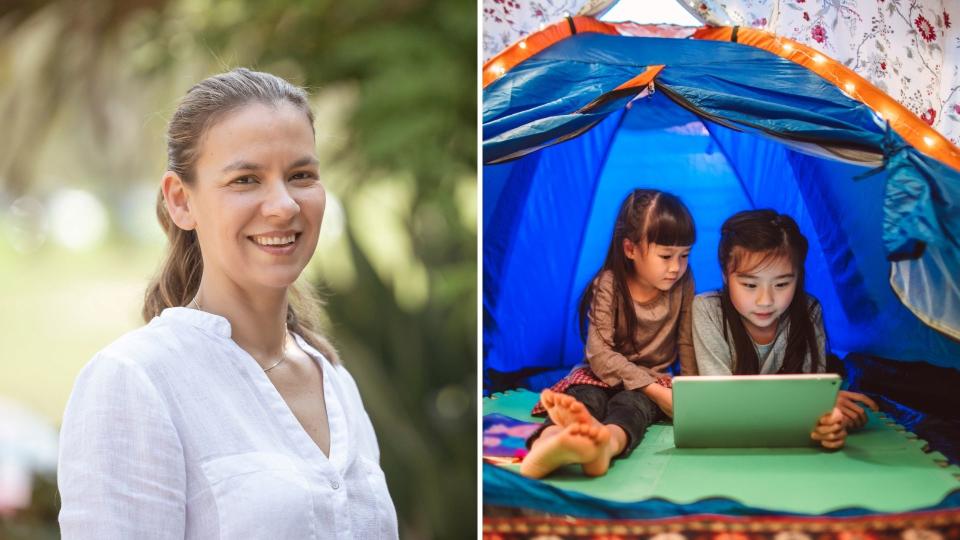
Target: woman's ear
<point x="177" y="198"/>
<point x="629" y="249"/>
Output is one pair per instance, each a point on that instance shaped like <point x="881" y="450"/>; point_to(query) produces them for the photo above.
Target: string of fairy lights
<point x="850" y="83"/>
<point x="899" y="117"/>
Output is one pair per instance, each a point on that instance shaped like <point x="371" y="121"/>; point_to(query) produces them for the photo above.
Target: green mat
<point x="882" y="468"/>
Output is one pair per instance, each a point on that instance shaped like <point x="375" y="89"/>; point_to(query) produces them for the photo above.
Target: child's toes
<point x="548" y="398"/>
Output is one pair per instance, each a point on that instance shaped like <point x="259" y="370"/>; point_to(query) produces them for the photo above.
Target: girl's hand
<point x="662" y="396"/>
<point x="853" y="414"/>
<point x="830" y="431"/>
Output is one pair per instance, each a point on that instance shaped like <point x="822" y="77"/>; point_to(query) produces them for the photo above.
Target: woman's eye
<point x="782" y="285"/>
<point x="749" y="285"/>
<point x="303" y="176"/>
<point x="245" y="180"/>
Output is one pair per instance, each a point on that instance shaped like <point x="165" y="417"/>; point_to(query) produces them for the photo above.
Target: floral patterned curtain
<point x="506" y="21"/>
<point x="908" y="48"/>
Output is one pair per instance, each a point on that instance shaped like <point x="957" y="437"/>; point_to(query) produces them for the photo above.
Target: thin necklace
<point x="283" y="356"/>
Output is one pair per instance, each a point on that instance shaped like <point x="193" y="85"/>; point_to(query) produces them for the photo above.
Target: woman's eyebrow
<point x="304" y="161"/>
<point x="242" y="166"/>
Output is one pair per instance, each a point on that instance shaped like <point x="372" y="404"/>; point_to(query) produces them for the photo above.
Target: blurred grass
<point x="60" y="308"/>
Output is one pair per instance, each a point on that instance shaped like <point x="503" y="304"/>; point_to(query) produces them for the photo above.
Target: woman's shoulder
<point x="147" y="349"/>
<point x="150" y="342"/>
<point x="124" y="373"/>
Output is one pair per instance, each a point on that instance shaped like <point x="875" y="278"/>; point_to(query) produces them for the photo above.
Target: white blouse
<point x="174" y="431"/>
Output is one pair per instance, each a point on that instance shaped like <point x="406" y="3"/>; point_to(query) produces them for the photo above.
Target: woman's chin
<point x="276" y="279"/>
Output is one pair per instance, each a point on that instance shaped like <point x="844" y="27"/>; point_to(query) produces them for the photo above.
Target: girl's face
<point x="762" y="292"/>
<point x="656" y="265"/>
<point x="257" y="200"/>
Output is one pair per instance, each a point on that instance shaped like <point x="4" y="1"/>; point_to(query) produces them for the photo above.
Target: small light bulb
<point x="819" y="58"/>
<point x="499" y="69"/>
<point x="523" y="44"/>
<point x="849" y="87"/>
<point x="788" y="46"/>
<point x="929" y="140"/>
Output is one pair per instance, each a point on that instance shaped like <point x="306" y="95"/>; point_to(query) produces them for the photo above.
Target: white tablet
<point x="750" y="411"/>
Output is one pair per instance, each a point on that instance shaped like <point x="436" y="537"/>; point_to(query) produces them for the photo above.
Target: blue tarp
<point x="729" y="127"/>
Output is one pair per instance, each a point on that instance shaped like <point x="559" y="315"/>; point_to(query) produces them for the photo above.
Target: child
<point x="762" y="321"/>
<point x="638" y="309"/>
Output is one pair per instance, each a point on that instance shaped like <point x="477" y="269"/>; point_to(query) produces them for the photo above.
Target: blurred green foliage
<point x="398" y="79"/>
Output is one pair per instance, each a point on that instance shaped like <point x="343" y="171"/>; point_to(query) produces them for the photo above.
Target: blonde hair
<point x="179" y="277"/>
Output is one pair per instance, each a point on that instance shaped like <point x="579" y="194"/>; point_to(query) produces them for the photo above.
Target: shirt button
<point x="335" y="484"/>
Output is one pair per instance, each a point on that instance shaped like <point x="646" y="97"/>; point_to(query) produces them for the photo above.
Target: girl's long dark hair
<point x="646" y="215"/>
<point x="772" y="235"/>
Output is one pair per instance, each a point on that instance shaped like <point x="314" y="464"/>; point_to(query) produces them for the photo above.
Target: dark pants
<point x="632" y="410"/>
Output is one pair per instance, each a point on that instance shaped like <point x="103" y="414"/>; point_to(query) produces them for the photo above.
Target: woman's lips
<point x="278" y="250"/>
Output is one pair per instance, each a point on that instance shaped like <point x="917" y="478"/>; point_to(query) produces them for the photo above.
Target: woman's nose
<point x="279" y="202"/>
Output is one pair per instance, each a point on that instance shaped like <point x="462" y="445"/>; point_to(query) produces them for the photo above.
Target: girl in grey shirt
<point x="762" y="321"/>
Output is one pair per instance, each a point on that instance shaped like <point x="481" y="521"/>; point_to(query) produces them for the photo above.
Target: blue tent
<point x="726" y="126"/>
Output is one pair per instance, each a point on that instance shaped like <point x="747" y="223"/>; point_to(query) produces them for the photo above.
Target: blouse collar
<point x="200" y="319"/>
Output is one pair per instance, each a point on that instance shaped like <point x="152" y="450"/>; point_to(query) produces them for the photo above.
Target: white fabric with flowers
<point x="174" y="431"/>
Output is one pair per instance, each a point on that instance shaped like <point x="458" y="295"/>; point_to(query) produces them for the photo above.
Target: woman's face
<point x="761" y="291"/>
<point x="257" y="200"/>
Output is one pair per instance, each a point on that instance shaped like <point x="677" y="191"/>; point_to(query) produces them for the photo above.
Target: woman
<point x="228" y="415"/>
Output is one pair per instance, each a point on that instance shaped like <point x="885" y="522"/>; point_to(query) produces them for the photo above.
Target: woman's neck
<point x="257" y="318"/>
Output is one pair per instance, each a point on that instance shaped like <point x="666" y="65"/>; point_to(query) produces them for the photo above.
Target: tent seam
<point x="583" y="233"/>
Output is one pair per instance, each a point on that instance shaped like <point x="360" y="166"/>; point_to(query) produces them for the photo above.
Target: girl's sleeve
<point x="710" y="347"/>
<point x="609" y="365"/>
<point x="688" y="360"/>
<point x="121" y="471"/>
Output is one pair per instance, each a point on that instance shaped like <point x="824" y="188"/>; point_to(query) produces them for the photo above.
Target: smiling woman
<point x="228" y="415"/>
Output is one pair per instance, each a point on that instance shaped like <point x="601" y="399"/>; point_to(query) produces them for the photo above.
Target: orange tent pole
<point x="538" y="41"/>
<point x="913" y="129"/>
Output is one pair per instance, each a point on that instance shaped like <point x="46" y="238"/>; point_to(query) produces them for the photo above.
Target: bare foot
<point x="564" y="410"/>
<point x="608" y="449"/>
<point x="577" y="443"/>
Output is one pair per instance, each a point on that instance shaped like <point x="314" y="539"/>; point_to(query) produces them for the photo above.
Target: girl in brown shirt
<point x="635" y="316"/>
